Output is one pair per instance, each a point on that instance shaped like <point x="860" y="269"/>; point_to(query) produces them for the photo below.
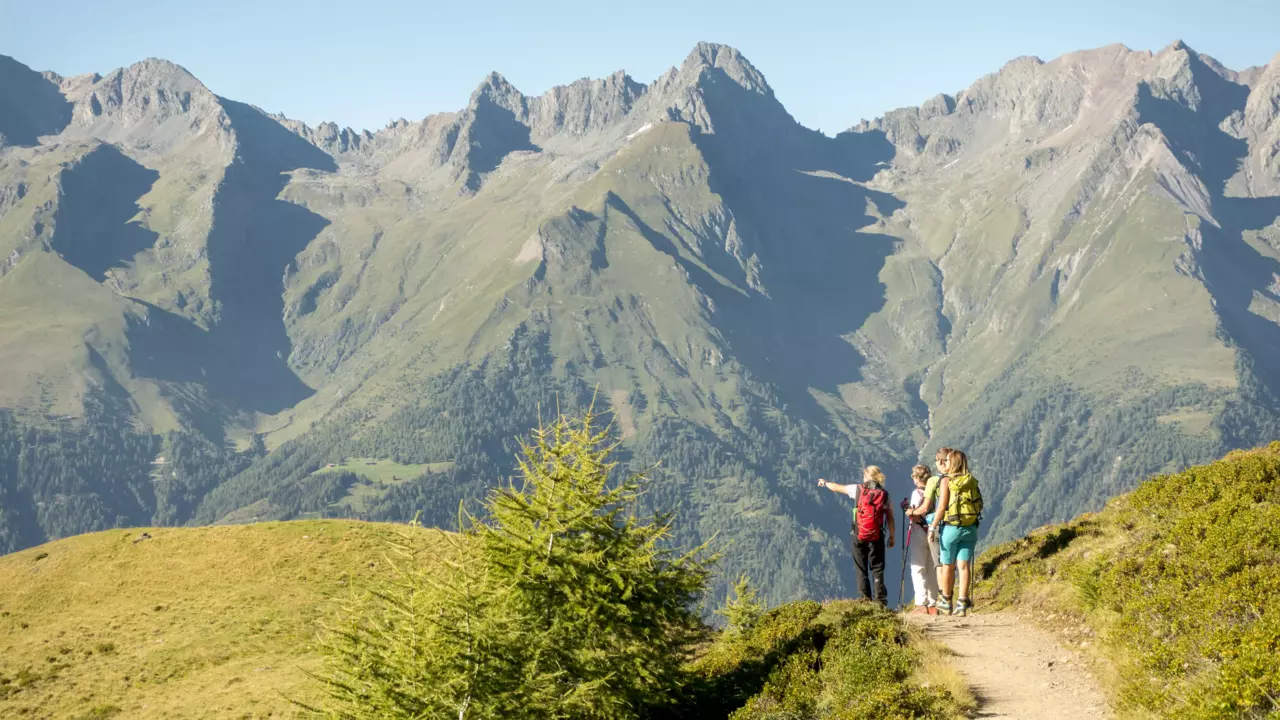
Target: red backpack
<point x="873" y="508"/>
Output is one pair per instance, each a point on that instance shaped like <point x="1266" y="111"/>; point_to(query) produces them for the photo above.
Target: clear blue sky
<point x="832" y="63"/>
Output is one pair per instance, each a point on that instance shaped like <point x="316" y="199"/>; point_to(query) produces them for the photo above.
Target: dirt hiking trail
<point x="1017" y="670"/>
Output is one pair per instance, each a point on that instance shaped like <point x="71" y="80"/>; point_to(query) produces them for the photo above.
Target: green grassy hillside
<point x="221" y="623"/>
<point x="191" y="623"/>
<point x="1175" y="585"/>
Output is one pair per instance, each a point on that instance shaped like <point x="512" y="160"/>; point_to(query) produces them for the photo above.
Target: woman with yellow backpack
<point x="955" y="524"/>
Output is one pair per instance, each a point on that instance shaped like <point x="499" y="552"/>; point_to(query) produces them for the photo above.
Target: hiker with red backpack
<point x="872" y="522"/>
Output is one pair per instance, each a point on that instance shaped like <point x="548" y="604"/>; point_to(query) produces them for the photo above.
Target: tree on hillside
<point x="559" y="603"/>
<point x="744" y="608"/>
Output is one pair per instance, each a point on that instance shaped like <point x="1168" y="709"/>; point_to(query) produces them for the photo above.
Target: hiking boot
<point x="944" y="605"/>
<point x="962" y="607"/>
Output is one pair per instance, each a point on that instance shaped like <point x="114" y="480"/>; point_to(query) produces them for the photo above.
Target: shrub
<point x="847" y="659"/>
<point x="99" y="712"/>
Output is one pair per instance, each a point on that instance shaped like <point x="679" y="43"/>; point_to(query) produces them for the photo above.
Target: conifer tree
<point x="439" y="643"/>
<point x="743" y="609"/>
<point x="559" y="603"/>
<point x="611" y="608"/>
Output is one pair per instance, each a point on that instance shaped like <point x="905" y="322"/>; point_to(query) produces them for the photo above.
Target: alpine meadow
<point x="213" y="315"/>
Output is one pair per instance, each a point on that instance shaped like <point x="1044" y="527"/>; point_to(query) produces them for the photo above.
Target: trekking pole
<point x="902" y="583"/>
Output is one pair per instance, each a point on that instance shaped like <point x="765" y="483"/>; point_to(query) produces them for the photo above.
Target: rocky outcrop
<point x="1261" y="125"/>
<point x="327" y="136"/>
<point x="152" y="108"/>
<point x="713" y="89"/>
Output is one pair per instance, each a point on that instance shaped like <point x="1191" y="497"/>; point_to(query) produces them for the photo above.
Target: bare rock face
<point x="327" y="135"/>
<point x="152" y="107"/>
<point x="717" y="90"/>
<point x="1261" y="124"/>
<point x="714" y="86"/>
<point x="584" y="106"/>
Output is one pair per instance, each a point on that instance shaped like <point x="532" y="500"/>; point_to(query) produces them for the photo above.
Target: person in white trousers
<point x="924" y="581"/>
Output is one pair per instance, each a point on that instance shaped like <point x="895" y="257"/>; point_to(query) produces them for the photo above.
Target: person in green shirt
<point x="926" y="509"/>
<point x="956" y="525"/>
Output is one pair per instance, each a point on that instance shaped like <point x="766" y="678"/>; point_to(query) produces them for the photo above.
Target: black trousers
<point x="868" y="558"/>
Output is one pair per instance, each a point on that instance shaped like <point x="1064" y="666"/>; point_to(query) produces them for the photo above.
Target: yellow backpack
<point x="964" y="504"/>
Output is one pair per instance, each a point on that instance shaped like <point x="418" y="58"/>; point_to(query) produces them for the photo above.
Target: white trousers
<point x="924" y="581"/>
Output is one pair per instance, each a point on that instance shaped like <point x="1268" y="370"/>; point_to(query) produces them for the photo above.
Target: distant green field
<point x="375" y="476"/>
<point x="384" y="471"/>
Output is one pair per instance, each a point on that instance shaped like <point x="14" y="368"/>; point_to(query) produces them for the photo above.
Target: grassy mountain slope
<point x="209" y="622"/>
<point x="1187" y="560"/>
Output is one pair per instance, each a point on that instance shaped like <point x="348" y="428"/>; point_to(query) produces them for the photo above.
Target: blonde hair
<point x="942" y="453"/>
<point x="957" y="463"/>
<point x="920" y="472"/>
<point x="873" y="474"/>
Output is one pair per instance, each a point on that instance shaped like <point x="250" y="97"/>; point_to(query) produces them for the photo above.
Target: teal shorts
<point x="958" y="543"/>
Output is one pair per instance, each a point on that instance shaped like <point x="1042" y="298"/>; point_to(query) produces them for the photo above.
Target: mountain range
<point x="211" y="313"/>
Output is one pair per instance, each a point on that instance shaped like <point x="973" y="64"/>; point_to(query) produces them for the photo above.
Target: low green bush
<point x="843" y="660"/>
<point x="99" y="712"/>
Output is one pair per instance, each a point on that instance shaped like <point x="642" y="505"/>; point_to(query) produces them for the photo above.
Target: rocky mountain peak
<point x="1197" y="82"/>
<point x="154" y="102"/>
<point x="151" y="82"/>
<point x="712" y="56"/>
<point x="715" y="89"/>
<point x="497" y="90"/>
<point x="1261" y="125"/>
<point x="1263" y="105"/>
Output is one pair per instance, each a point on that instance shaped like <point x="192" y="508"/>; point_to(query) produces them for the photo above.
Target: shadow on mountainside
<point x="800" y="208"/>
<point x="796" y="191"/>
<point x="93" y="227"/>
<point x="243" y="359"/>
<point x="494" y="133"/>
<point x="115" y="399"/>
<point x="255" y="237"/>
<point x="30" y="105"/>
<point x="1233" y="270"/>
<point x="206" y="380"/>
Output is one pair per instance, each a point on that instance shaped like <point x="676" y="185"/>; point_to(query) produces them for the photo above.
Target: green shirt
<point x="931" y="495"/>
